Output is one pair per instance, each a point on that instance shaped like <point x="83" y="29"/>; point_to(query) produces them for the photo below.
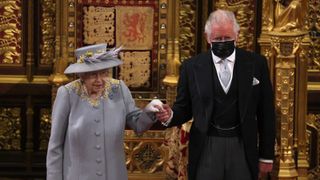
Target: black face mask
<point x="222" y="49"/>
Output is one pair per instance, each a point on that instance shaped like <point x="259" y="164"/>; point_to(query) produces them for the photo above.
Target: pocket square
<point x="255" y="81"/>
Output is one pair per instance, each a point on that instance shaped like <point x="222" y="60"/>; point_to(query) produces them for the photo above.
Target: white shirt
<point x="230" y="62"/>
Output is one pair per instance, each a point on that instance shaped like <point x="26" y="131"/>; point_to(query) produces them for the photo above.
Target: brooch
<point x="113" y="90"/>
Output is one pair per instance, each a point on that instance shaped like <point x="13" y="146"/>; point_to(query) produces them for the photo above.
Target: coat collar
<point x="203" y="73"/>
<point x="111" y="88"/>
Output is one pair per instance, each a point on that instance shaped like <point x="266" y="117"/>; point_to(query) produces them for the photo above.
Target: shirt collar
<point x="230" y="58"/>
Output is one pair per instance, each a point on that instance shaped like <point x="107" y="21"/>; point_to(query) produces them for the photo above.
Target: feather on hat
<point x="94" y="58"/>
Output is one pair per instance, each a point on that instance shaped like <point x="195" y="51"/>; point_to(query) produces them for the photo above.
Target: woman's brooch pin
<point x="114" y="89"/>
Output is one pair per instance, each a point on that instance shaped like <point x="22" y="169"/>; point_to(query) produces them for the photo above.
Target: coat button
<point x="98" y="160"/>
<point x="99" y="173"/>
<point x="97" y="133"/>
<point x="98" y="147"/>
<point x="97" y="120"/>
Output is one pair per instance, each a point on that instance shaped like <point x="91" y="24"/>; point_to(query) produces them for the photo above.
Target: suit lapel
<point x="203" y="73"/>
<point x="244" y="67"/>
<point x="204" y="83"/>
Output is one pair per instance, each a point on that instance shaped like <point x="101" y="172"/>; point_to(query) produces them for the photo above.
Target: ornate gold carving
<point x="99" y="25"/>
<point x="244" y="11"/>
<point x="10" y="128"/>
<point x="145" y="153"/>
<point x="284" y="16"/>
<point x="301" y="109"/>
<point x="64" y="42"/>
<point x="187" y="24"/>
<point x="173" y="64"/>
<point x="147" y="157"/>
<point x="161" y="45"/>
<point x="48" y="32"/>
<point x="10" y="32"/>
<point x="45" y="126"/>
<point x="135" y="70"/>
<point x="172" y="139"/>
<point x="314" y="55"/>
<point x="313" y="144"/>
<point x="284" y="102"/>
<point x="71" y="35"/>
<point x="134" y="27"/>
<point x="266" y="52"/>
<point x="287" y="48"/>
<point x="157" y="135"/>
<point x="314" y="14"/>
<point x="267" y="15"/>
<point x="22" y="79"/>
<point x="291" y="17"/>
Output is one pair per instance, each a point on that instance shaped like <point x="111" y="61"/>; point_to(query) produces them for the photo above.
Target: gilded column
<point x="29" y="73"/>
<point x="170" y="81"/>
<point x="57" y="78"/>
<point x="301" y="107"/>
<point x="284" y="42"/>
<point x="30" y="54"/>
<point x="285" y="86"/>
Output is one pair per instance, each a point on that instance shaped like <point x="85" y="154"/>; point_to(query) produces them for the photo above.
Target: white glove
<point x="151" y="106"/>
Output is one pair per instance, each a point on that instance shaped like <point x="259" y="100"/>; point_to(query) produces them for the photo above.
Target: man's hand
<point x="264" y="169"/>
<point x="164" y="114"/>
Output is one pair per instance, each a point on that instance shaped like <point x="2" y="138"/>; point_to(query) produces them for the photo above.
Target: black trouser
<point x="223" y="158"/>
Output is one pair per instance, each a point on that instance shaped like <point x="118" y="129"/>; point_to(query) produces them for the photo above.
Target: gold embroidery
<point x="111" y="87"/>
<point x="98" y="25"/>
<point x="135" y="70"/>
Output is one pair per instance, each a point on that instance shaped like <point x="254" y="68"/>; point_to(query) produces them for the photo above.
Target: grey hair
<point x="219" y="17"/>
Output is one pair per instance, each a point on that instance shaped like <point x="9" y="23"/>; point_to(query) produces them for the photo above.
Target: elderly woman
<point x="88" y="120"/>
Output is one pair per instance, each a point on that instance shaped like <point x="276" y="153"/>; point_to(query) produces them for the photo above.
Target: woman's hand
<point x="154" y="106"/>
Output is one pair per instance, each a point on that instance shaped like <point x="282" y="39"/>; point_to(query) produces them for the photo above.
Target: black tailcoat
<point x="256" y="106"/>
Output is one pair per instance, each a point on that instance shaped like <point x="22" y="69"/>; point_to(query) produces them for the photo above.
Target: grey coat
<point x="86" y="141"/>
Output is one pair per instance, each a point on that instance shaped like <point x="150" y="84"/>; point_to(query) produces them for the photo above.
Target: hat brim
<point x="87" y="67"/>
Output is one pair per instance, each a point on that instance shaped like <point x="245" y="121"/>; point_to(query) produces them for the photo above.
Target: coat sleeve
<point x="60" y="113"/>
<point x="136" y="118"/>
<point x="182" y="108"/>
<point x="266" y="115"/>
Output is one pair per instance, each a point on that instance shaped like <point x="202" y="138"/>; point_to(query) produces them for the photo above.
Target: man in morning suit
<point x="228" y="93"/>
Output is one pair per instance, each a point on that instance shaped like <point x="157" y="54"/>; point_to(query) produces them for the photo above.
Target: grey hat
<point x="94" y="58"/>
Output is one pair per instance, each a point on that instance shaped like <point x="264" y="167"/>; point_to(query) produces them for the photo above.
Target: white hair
<point x="220" y="17"/>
